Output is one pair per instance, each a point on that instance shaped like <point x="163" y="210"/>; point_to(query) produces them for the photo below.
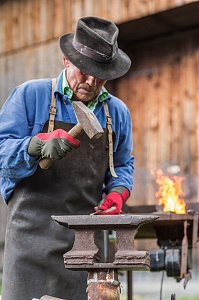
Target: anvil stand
<point x="103" y="276"/>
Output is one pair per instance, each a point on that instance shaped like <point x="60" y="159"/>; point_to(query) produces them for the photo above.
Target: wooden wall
<point x="29" y="32"/>
<point x="162" y="92"/>
<point x="30" y="22"/>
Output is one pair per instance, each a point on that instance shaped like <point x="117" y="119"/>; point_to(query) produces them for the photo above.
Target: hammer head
<point x="88" y="120"/>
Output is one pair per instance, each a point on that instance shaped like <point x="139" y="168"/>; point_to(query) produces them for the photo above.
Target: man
<point x="82" y="169"/>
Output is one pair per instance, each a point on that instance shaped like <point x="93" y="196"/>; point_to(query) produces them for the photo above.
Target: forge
<point x="176" y="235"/>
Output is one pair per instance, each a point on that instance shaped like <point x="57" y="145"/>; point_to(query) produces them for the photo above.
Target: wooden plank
<point x="125" y="10"/>
<point x="50" y="19"/>
<point x="164" y="116"/>
<point x="91" y="7"/>
<point x="8" y="27"/>
<point x="104" y="10"/>
<point x="36" y="19"/>
<point x="21" y="24"/>
<point x="178" y="2"/>
<point x="183" y="91"/>
<point x="68" y="16"/>
<point x="195" y="128"/>
<point x="143" y="8"/>
<point x="151" y="6"/>
<point x="137" y="106"/>
<point x="152" y="139"/>
<point x="58" y="18"/>
<point x="6" y="89"/>
<point x="28" y="19"/>
<point x="133" y="107"/>
<point x="27" y="14"/>
<point x="138" y="86"/>
<point x="134" y="9"/>
<point x="139" y="8"/>
<point x="76" y="12"/>
<point x="15" y="23"/>
<point x="2" y="81"/>
<point x="115" y="11"/>
<point x="162" y="5"/>
<point x="43" y="20"/>
<point x="96" y="8"/>
<point x="153" y="122"/>
<point x="3" y="28"/>
<point x="27" y="71"/>
<point x="188" y="109"/>
<point x="191" y="106"/>
<point x="175" y="107"/>
<point x="56" y="63"/>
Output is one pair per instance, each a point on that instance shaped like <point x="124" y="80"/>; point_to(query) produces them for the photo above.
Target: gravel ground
<point x="147" y="286"/>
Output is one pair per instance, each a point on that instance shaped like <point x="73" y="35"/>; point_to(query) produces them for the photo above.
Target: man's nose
<point x="91" y="80"/>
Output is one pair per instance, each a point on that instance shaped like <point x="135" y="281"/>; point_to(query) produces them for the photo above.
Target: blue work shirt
<point x="24" y="114"/>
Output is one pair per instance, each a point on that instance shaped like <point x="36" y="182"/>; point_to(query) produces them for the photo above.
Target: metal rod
<point x="130" y="285"/>
<point x="105" y="232"/>
<point x="161" y="285"/>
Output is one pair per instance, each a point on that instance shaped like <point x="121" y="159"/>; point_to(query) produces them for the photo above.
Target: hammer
<point x="87" y="122"/>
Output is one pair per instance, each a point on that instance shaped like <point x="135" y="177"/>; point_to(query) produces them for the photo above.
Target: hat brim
<point x="103" y="70"/>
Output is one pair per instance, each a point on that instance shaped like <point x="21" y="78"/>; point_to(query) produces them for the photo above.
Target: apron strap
<point x="52" y="107"/>
<point x="110" y="139"/>
<point x="108" y="122"/>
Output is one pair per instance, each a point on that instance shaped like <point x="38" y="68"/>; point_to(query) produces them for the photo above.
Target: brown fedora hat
<point x="93" y="49"/>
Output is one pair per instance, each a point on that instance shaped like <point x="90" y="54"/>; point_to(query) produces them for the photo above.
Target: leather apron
<point x="35" y="243"/>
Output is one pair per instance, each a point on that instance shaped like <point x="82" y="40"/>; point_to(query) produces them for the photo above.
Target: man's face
<point x="84" y="86"/>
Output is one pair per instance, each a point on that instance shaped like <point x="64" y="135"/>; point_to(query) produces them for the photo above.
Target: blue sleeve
<point x="15" y="162"/>
<point x="123" y="158"/>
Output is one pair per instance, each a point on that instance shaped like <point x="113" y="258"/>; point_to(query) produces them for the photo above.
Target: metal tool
<point x="47" y="298"/>
<point x="50" y="298"/>
<point x="107" y="210"/>
<point x="96" y="212"/>
<point x="87" y="122"/>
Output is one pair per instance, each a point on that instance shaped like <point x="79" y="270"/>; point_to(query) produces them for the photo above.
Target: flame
<point x="170" y="192"/>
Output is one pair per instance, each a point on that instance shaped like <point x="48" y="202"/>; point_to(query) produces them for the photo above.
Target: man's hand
<point x="113" y="202"/>
<point x="54" y="145"/>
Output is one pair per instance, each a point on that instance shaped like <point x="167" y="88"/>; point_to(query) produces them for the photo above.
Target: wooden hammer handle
<point x="75" y="131"/>
<point x="49" y="298"/>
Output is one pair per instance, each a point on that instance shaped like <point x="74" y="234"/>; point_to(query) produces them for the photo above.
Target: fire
<point x="170" y="192"/>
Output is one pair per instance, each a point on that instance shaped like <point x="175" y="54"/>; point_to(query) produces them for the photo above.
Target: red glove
<point x="58" y="133"/>
<point x="113" y="202"/>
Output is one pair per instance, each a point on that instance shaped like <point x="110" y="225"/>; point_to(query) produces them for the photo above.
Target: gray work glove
<point x="54" y="145"/>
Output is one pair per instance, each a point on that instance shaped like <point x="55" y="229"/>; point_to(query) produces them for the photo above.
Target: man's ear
<point x="65" y="61"/>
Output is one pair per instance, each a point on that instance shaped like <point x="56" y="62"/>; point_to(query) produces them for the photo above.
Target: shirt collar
<point x="92" y="103"/>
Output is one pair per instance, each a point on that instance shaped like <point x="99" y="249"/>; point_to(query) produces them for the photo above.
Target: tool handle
<point x="45" y="163"/>
<point x="75" y="131"/>
<point x="48" y="298"/>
